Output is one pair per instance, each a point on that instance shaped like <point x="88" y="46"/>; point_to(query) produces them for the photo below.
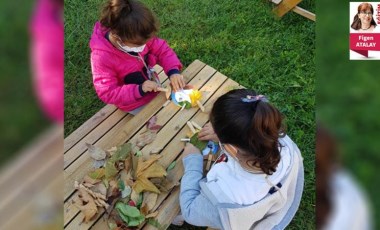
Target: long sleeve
<point x="196" y="208"/>
<point x="166" y="57"/>
<point x="106" y="84"/>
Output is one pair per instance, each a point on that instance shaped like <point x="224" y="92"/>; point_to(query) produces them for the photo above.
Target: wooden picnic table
<point x="112" y="127"/>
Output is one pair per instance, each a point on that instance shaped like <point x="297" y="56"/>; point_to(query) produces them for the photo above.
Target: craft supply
<point x="191" y="126"/>
<point x="196" y="125"/>
<point x="201" y="107"/>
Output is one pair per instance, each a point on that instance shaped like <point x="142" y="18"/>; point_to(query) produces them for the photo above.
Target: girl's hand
<point x="177" y="81"/>
<point x="207" y="133"/>
<point x="190" y="149"/>
<point x="149" y="86"/>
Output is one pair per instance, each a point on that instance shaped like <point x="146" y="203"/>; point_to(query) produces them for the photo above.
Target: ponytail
<point x="246" y="120"/>
<point x="129" y="19"/>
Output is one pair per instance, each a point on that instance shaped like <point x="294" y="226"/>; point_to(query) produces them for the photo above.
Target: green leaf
<point x="140" y="200"/>
<point x="198" y="143"/>
<point x="121" y="153"/>
<point x="139" y="153"/>
<point x="110" y="169"/>
<point x="135" y="221"/>
<point x="127" y="210"/>
<point x="97" y="174"/>
<point x="121" y="185"/>
<point x="171" y="166"/>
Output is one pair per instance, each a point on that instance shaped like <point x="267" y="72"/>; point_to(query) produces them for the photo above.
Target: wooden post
<point x="285" y="6"/>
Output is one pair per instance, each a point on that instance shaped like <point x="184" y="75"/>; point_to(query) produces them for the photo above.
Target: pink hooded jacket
<point x="117" y="76"/>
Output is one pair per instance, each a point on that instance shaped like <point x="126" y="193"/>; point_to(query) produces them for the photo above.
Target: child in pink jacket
<point x="124" y="50"/>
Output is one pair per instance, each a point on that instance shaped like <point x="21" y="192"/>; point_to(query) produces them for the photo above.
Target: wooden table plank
<point x="162" y="117"/>
<point x="95" y="134"/>
<point x="95" y="120"/>
<point x="119" y="134"/>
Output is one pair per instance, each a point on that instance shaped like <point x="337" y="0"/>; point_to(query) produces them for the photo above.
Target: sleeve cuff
<point x="193" y="162"/>
<point x="173" y="71"/>
<point x="142" y="93"/>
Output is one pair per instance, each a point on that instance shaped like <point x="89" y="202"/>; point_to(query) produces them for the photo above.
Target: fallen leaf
<point x="86" y="204"/>
<point x="126" y="191"/>
<point x="143" y="184"/>
<point x="113" y="189"/>
<point x="89" y="180"/>
<point x="152" y="126"/>
<point x="148" y="203"/>
<point x="142" y="165"/>
<point x="95" y="152"/>
<point x="100" y="188"/>
<point x="110" y="169"/>
<point x="152" y="215"/>
<point x="97" y="174"/>
<point x="135" y="196"/>
<point x="145" y="138"/>
<point x="171" y="166"/>
<point x="127" y="210"/>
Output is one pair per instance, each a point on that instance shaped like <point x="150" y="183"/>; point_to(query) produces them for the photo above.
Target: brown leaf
<point x="145" y="138"/>
<point x="135" y="196"/>
<point x="152" y="215"/>
<point x="100" y="188"/>
<point x="113" y="189"/>
<point x="95" y="152"/>
<point x="149" y="201"/>
<point x="126" y="177"/>
<point x="151" y="124"/>
<point x="86" y="204"/>
<point x="89" y="180"/>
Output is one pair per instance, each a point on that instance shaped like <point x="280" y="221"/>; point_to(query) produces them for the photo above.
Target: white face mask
<point x="137" y="49"/>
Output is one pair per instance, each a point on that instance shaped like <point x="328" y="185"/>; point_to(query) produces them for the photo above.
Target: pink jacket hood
<point x="111" y="68"/>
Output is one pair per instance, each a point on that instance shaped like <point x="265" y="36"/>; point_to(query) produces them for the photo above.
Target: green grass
<point x="241" y="39"/>
<point x="20" y="117"/>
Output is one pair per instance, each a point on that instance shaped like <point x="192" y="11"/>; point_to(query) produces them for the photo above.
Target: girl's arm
<point x="195" y="207"/>
<point x="166" y="57"/>
<point x="107" y="85"/>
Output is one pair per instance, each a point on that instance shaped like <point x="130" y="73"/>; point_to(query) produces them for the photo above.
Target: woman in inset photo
<point x="363" y="20"/>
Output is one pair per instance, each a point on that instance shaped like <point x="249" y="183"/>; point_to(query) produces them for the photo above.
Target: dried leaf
<point x="113" y="189"/>
<point x="97" y="174"/>
<point x="110" y="169"/>
<point x="86" y="204"/>
<point x="171" y="166"/>
<point x="143" y="184"/>
<point x="155" y="170"/>
<point x="121" y="153"/>
<point x="95" y="152"/>
<point x="145" y="138"/>
<point x="126" y="177"/>
<point x="142" y="165"/>
<point x="152" y="215"/>
<point x="100" y="188"/>
<point x="149" y="201"/>
<point x="135" y="197"/>
<point x="151" y="124"/>
<point x="89" y="180"/>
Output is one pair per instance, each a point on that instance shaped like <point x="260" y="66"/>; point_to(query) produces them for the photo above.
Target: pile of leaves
<point x="122" y="183"/>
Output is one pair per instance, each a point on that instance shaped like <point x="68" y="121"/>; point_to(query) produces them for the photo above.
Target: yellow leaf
<point x="155" y="170"/>
<point x="195" y="96"/>
<point x="143" y="184"/>
<point x="142" y="165"/>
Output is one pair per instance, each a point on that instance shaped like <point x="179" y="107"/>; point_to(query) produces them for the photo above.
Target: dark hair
<point x="357" y="24"/>
<point x="130" y="20"/>
<point x="253" y="127"/>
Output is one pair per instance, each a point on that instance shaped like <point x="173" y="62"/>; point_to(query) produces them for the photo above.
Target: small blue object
<point x="250" y="98"/>
<point x="211" y="147"/>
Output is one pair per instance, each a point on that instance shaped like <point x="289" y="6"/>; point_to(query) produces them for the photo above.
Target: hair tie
<point x="250" y="98"/>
